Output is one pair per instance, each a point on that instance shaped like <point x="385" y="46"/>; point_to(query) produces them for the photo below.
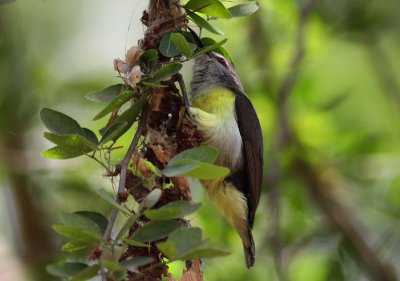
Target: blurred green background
<point x="343" y="111"/>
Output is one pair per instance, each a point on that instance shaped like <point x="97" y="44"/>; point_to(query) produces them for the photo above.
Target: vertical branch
<point x="284" y="136"/>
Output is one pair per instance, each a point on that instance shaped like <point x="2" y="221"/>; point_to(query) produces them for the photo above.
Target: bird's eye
<point x="222" y="61"/>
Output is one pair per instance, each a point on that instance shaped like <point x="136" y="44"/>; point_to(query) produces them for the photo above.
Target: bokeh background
<point x="324" y="77"/>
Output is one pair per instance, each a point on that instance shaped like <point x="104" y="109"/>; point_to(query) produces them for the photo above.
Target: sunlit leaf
<point x="201" y="22"/>
<point x="114" y="104"/>
<point x="59" y="123"/>
<point x="111" y="265"/>
<point x="65" y="269"/>
<point x="244" y="9"/>
<point x="75" y="142"/>
<point x="207" y="171"/>
<point x="207" y="49"/>
<point x="67" y="152"/>
<point x="206" y="154"/>
<point x="151" y="167"/>
<point x="166" y="72"/>
<point x="180" y="168"/>
<point x="72" y="246"/>
<point x="168" y="248"/>
<point x="172" y="210"/>
<point x="106" y="95"/>
<point x="136" y="243"/>
<point x="155" y="230"/>
<point x="207" y="41"/>
<point x="212" y="8"/>
<point x="180" y="42"/>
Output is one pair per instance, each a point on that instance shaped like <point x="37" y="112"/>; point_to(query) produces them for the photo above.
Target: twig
<point x="122" y="180"/>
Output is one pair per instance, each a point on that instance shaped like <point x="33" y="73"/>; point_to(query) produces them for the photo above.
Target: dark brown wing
<point x="250" y="130"/>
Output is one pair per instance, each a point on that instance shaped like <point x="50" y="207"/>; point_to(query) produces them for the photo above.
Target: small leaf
<point x="180" y="168"/>
<point x="199" y="21"/>
<point x="180" y="42"/>
<point x="173" y="210"/>
<point x="114" y="104"/>
<point x="213" y="8"/>
<point x="108" y="198"/>
<point x="106" y="95"/>
<point x="167" y="47"/>
<point x="207" y="49"/>
<point x="74" y="142"/>
<point x="90" y="136"/>
<point x="206" y="154"/>
<point x="153" y="85"/>
<point x="65" y="269"/>
<point x="150" y="58"/>
<point x="99" y="219"/>
<point x="134" y="263"/>
<point x="207" y="41"/>
<point x="151" y="167"/>
<point x="80" y="221"/>
<point x="186" y="239"/>
<point x="124" y="229"/>
<point x="166" y="71"/>
<point x="150" y="200"/>
<point x="59" y="123"/>
<point x="244" y="9"/>
<point x="136" y="243"/>
<point x="73" y="246"/>
<point x="111" y="265"/>
<point x="86" y="273"/>
<point x="155" y="230"/>
<point x="66" y="152"/>
<point x="114" y="132"/>
<point x="77" y="234"/>
<point x="168" y="248"/>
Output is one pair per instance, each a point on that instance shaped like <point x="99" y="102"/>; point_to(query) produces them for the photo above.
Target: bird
<point x="225" y="115"/>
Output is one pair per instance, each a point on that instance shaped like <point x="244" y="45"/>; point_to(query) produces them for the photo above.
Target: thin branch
<point x="122" y="180"/>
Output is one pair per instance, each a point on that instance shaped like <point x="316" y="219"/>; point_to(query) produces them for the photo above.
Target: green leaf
<point x="207" y="171"/>
<point x="186" y="239"/>
<point x="114" y="132"/>
<point x="180" y="42"/>
<point x="212" y="8"/>
<point x="67" y="152"/>
<point x="172" y="210"/>
<point x="150" y="58"/>
<point x="106" y="95"/>
<point x="167" y="46"/>
<point x="136" y="243"/>
<point x="77" y="234"/>
<point x="124" y="229"/>
<point x="206" y="154"/>
<point x="114" y="104"/>
<point x="151" y="167"/>
<point x="75" y="142"/>
<point x="180" y="168"/>
<point x="207" y="41"/>
<point x="207" y="49"/>
<point x="86" y="273"/>
<point x="59" y="123"/>
<point x="166" y="71"/>
<point x="244" y="9"/>
<point x="73" y="246"/>
<point x="65" y="269"/>
<point x="150" y="200"/>
<point x="80" y="221"/>
<point x="204" y="252"/>
<point x="168" y="248"/>
<point x="134" y="263"/>
<point x="199" y="21"/>
<point x="90" y="136"/>
<point x="111" y="265"/>
<point x="153" y="85"/>
<point x="108" y="198"/>
<point x="99" y="219"/>
<point x="155" y="230"/>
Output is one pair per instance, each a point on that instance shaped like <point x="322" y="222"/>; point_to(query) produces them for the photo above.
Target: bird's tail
<point x="249" y="251"/>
